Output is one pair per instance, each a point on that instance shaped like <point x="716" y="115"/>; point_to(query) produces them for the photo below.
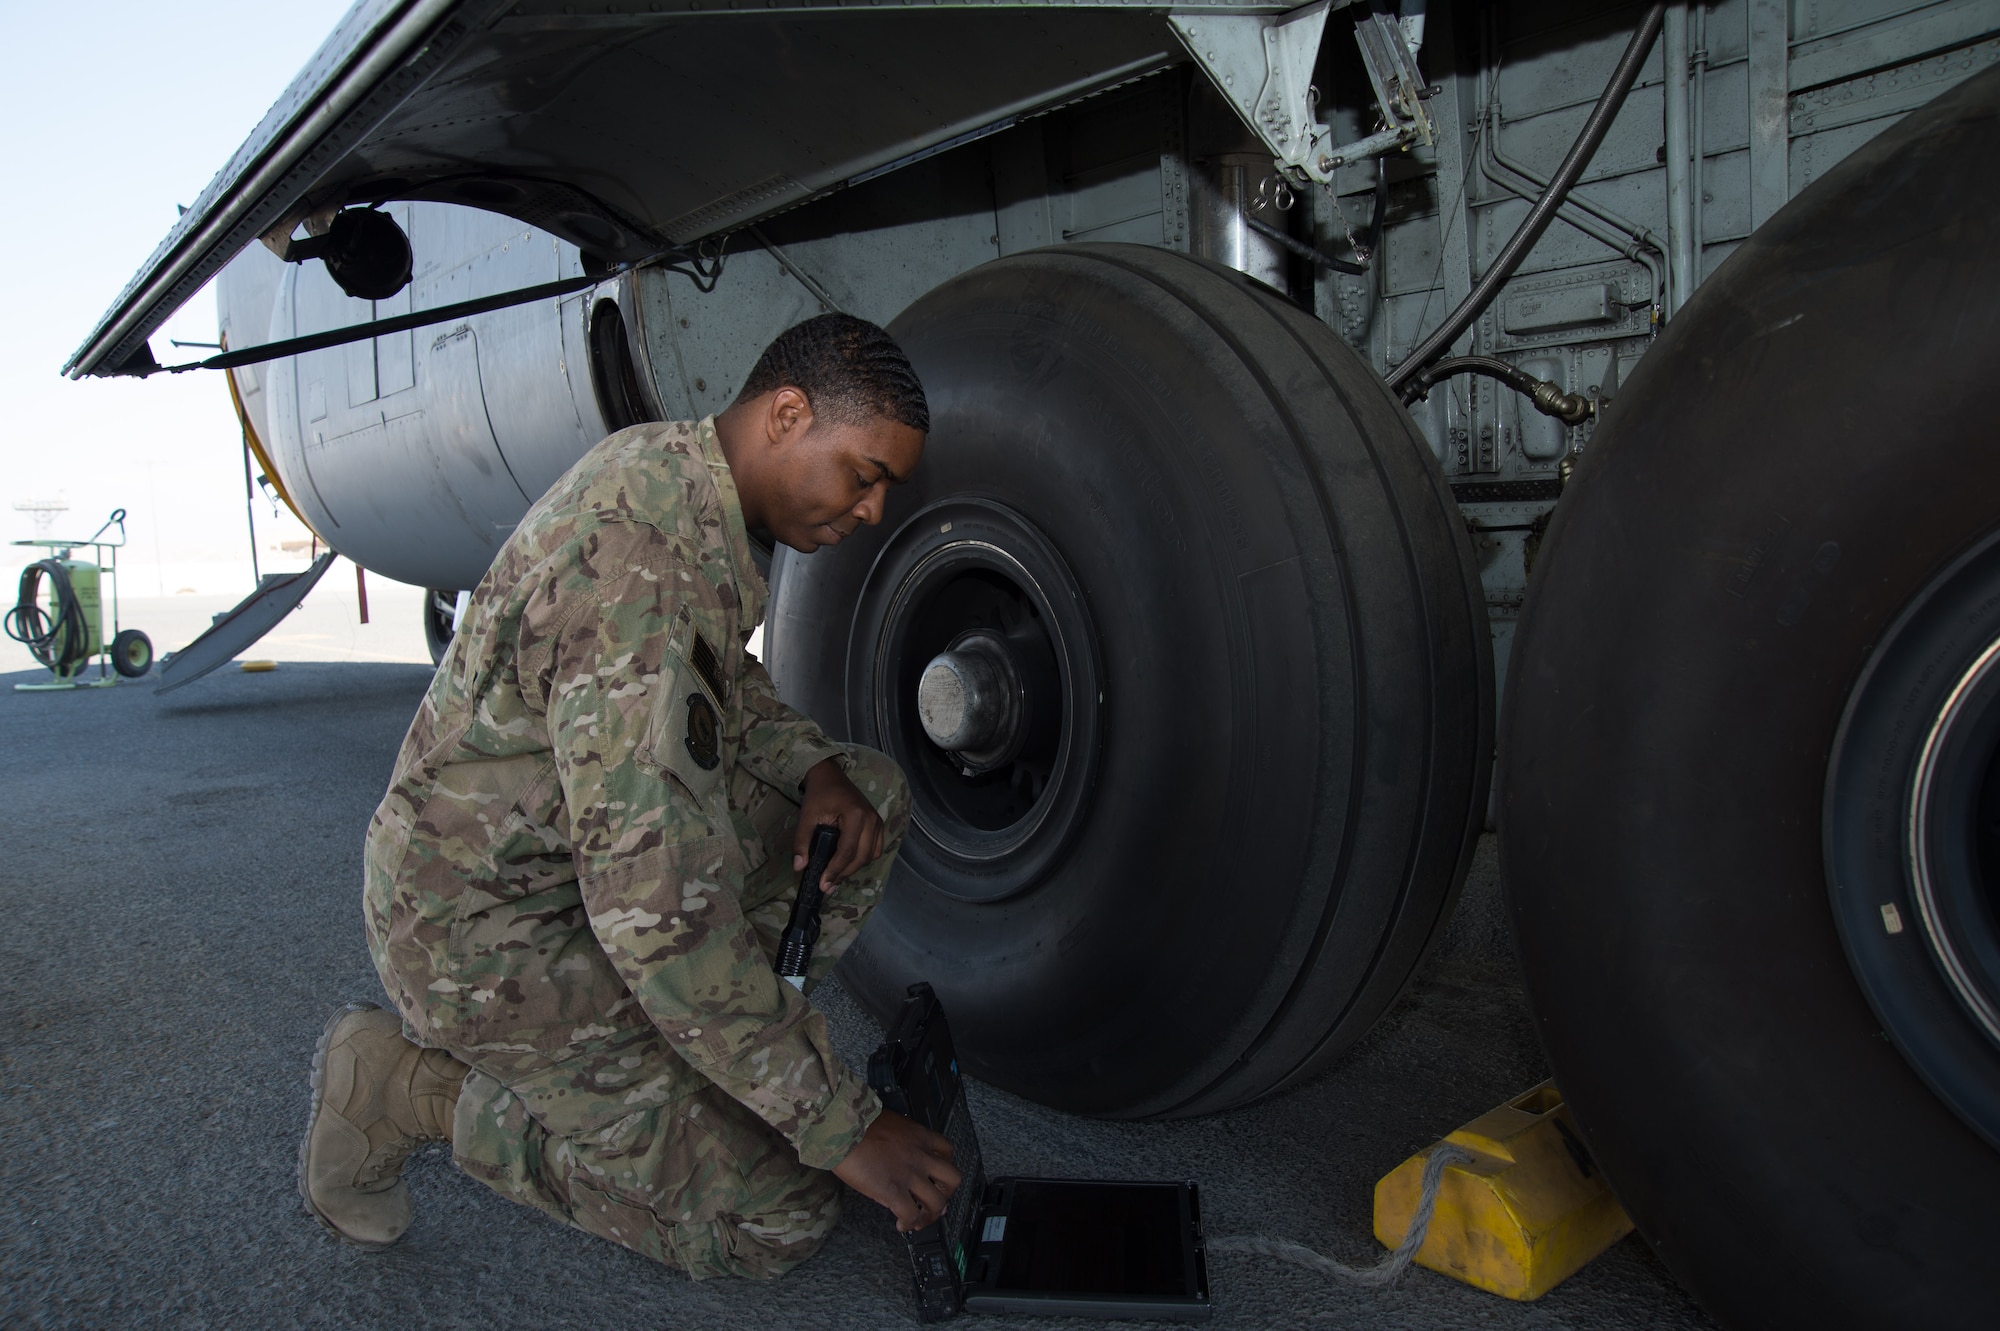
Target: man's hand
<point x="831" y="798"/>
<point x="903" y="1165"/>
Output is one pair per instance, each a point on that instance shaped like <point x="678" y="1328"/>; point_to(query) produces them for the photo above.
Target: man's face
<point x="829" y="478"/>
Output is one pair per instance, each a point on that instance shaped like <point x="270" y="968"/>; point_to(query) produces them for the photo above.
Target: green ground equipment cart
<point x="60" y="614"/>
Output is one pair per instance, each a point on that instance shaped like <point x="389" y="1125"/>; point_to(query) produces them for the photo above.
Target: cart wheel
<point x="131" y="653"/>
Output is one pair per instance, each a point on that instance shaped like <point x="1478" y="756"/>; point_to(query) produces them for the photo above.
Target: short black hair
<point x="850" y="370"/>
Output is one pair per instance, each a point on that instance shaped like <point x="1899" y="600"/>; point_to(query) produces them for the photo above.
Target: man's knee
<point x="767" y="1231"/>
<point x="702" y="1184"/>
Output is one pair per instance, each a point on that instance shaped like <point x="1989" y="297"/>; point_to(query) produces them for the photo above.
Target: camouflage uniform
<point x="578" y="877"/>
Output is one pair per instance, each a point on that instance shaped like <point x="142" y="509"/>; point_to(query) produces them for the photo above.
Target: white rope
<point x="1384" y="1271"/>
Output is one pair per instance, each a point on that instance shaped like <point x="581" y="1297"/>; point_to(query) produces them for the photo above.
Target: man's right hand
<point x="903" y="1165"/>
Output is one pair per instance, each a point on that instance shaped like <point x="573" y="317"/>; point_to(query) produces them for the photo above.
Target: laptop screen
<point x="1095" y="1238"/>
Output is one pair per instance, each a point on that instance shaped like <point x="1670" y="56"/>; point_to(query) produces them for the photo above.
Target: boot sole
<point x="312" y="1121"/>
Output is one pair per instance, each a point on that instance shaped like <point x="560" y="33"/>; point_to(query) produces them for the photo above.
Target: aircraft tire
<point x="439" y="609"/>
<point x="1751" y="618"/>
<point x="1252" y="747"/>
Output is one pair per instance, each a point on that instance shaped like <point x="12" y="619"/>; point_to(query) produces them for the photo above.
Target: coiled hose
<point x="62" y="641"/>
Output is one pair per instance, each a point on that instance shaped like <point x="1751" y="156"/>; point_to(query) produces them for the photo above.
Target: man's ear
<point x="789" y="416"/>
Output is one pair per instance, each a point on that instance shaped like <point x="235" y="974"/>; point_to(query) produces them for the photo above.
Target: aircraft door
<point x="395" y="356"/>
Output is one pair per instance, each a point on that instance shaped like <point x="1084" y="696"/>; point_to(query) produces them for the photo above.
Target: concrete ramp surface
<point x="177" y="937"/>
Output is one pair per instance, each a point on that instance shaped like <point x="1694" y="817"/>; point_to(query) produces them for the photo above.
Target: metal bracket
<point x="1263" y="67"/>
<point x="318" y="221"/>
<point x="1399" y="88"/>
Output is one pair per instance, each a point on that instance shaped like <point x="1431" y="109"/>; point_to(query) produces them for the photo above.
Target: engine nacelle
<point x="416" y="453"/>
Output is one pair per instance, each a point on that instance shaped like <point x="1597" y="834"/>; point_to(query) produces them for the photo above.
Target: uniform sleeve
<point x="653" y="850"/>
<point x="779" y="745"/>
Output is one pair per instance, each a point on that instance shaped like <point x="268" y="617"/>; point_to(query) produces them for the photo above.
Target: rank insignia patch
<point x="704" y="732"/>
<point x="702" y="657"/>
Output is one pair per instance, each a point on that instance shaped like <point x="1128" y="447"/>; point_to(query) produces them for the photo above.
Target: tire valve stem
<point x="795" y="945"/>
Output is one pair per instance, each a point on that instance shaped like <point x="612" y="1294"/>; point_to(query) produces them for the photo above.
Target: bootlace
<point x="385" y="1163"/>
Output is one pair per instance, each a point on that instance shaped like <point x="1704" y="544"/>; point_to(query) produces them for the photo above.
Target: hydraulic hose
<point x="1381" y="209"/>
<point x="1549" y="399"/>
<point x="1544" y="211"/>
<point x="1305" y="251"/>
<point x="59" y="641"/>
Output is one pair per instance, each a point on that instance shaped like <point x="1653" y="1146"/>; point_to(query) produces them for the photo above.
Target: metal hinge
<point x="1263" y="66"/>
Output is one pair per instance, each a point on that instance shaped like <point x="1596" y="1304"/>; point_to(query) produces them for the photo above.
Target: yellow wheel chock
<point x="1530" y="1210"/>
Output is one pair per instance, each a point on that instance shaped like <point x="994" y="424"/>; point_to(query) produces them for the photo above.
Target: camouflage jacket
<point x="555" y="866"/>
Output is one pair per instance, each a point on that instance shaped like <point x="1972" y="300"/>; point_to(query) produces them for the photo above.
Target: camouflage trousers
<point x="698" y="1182"/>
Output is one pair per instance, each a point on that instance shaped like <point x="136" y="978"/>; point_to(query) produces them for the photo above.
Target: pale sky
<point x="110" y="114"/>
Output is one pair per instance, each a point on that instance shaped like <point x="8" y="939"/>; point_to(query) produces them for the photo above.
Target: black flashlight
<point x="795" y="946"/>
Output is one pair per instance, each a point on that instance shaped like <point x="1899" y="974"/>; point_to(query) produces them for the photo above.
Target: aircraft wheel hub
<point x="984" y="688"/>
<point x="969" y="700"/>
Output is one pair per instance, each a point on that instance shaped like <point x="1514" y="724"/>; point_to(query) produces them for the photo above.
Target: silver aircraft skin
<point x="473" y="419"/>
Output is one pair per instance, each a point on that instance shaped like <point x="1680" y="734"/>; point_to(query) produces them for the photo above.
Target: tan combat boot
<point x="376" y="1098"/>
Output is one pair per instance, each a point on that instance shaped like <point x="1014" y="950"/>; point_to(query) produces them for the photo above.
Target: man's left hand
<point x="831" y="798"/>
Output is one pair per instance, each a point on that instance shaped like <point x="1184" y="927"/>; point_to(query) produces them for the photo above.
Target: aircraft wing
<point x="628" y="126"/>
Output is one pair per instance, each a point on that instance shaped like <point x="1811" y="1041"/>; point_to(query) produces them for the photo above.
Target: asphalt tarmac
<point x="181" y="895"/>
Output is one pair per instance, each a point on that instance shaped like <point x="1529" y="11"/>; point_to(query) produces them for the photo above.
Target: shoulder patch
<point x="684" y="740"/>
<point x="704" y="732"/>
